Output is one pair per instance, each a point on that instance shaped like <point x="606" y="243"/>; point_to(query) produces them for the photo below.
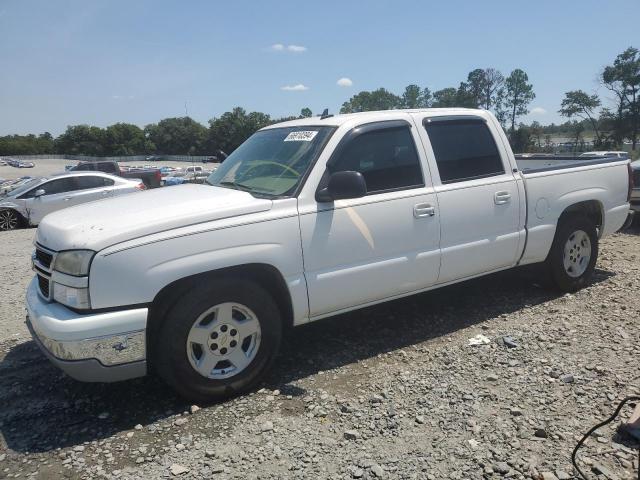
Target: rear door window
<point x="464" y="149"/>
<point x="86" y="182"/>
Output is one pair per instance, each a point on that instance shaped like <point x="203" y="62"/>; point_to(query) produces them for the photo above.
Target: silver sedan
<point x="29" y="203"/>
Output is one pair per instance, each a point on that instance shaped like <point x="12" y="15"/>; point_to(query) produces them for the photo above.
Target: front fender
<point x="134" y="275"/>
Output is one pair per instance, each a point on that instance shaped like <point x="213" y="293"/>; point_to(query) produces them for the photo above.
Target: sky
<point x="100" y="62"/>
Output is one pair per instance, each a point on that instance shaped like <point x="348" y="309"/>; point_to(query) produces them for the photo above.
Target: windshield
<point x="272" y="162"/>
<point x="24" y="186"/>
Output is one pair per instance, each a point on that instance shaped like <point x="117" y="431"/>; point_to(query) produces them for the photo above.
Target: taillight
<point x="631" y="185"/>
<point x="141" y="186"/>
<point x="158" y="175"/>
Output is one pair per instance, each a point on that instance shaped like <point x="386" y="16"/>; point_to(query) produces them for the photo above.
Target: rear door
<point x="89" y="188"/>
<point x="478" y="198"/>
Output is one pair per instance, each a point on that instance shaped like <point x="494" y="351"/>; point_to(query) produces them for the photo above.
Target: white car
<point x="305" y="220"/>
<point x="29" y="203"/>
<point x="603" y="153"/>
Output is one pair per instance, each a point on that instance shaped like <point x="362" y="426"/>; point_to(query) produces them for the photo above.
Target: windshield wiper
<point x="238" y="186"/>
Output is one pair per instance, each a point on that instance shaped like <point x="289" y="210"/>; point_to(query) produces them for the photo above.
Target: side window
<point x="60" y="185"/>
<point x="387" y="159"/>
<point x="85" y="182"/>
<point x="464" y="150"/>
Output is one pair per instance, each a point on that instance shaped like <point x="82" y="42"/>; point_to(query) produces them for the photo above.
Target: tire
<point x="204" y="312"/>
<point x="573" y="255"/>
<point x="10" y="220"/>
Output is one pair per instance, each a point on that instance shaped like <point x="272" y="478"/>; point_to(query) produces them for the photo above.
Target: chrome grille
<point x="44" y="257"/>
<point x="43" y="284"/>
<point x="42" y="262"/>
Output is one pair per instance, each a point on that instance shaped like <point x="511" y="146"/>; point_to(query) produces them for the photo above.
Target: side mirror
<point x="343" y="185"/>
<point x="39" y="192"/>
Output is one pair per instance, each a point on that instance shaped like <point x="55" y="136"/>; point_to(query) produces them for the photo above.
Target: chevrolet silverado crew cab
<point x="306" y="219"/>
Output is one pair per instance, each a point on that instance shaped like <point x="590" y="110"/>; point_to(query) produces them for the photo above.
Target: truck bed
<point x="543" y="163"/>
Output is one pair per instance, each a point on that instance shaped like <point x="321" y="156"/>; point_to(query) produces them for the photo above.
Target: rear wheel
<point x="218" y="340"/>
<point x="573" y="254"/>
<point x="9" y="220"/>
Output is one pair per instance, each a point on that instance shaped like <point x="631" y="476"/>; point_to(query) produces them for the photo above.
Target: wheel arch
<point x="22" y="220"/>
<point x="265" y="275"/>
<point x="592" y="209"/>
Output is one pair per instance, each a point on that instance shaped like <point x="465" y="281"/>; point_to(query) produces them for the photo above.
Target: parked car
<point x="167" y="170"/>
<point x="607" y="154"/>
<point x="10" y="185"/>
<point x="306" y="219"/>
<point x="635" y="194"/>
<point x="27" y="204"/>
<point x="3" y="163"/>
<point x="151" y="178"/>
<point x="219" y="157"/>
<point x="26" y="165"/>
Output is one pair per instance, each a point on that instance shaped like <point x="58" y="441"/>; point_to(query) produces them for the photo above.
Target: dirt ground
<point x="391" y="391"/>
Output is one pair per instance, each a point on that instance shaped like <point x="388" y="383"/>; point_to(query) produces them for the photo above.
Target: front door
<point x="385" y="244"/>
<point x="58" y="194"/>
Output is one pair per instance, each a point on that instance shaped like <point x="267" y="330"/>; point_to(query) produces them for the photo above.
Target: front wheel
<point x="574" y="252"/>
<point x="9" y="220"/>
<point x="218" y="340"/>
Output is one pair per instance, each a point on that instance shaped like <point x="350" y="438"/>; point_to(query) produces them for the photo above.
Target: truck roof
<point x="337" y="120"/>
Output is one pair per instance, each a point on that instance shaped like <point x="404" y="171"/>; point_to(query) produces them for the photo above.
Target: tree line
<point x="507" y="97"/>
<point x="170" y="136"/>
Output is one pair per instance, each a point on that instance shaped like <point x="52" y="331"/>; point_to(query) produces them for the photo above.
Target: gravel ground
<point x="392" y="391"/>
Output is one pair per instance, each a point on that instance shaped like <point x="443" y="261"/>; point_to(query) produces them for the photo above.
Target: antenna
<point x="325" y="114"/>
<point x="186" y="112"/>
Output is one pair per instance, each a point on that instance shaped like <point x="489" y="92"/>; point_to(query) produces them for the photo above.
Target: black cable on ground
<point x="602" y="424"/>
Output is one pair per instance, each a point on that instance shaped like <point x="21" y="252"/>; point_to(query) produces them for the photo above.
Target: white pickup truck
<point x="305" y="220"/>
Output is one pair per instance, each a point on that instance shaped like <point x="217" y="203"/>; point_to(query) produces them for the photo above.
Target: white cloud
<point x="280" y="47"/>
<point x="344" y="82"/>
<point x="299" y="87"/>
<point x="296" y="48"/>
<point x="538" y="111"/>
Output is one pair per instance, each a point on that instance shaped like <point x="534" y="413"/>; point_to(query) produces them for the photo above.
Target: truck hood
<point x="100" y="224"/>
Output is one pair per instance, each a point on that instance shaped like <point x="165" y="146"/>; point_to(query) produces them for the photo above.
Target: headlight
<point x="74" y="262"/>
<point x="71" y="297"/>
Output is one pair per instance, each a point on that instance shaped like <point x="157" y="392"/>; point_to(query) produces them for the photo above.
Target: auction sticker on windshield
<point x="302" y="136"/>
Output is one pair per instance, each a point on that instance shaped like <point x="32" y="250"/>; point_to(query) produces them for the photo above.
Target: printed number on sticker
<point x="303" y="136"/>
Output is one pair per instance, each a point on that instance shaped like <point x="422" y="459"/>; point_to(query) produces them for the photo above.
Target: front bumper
<point x="100" y="347"/>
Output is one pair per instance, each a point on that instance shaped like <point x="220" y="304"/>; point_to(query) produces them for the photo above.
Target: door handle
<point x="500" y="198"/>
<point x="66" y="199"/>
<point x="424" y="210"/>
<point x="105" y="192"/>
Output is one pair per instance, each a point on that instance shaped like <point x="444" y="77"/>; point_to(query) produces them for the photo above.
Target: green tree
<point x="518" y="96"/>
<point x="306" y="112"/>
<point x="536" y="133"/>
<point x="380" y="99"/>
<point x="623" y="79"/>
<point x="177" y="136"/>
<point x="232" y="128"/>
<point x="81" y="140"/>
<point x="446" y="97"/>
<point x="415" y="97"/>
<point x="486" y="87"/>
<point x="578" y="103"/>
<point x="124" y="139"/>
<point x="521" y="139"/>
